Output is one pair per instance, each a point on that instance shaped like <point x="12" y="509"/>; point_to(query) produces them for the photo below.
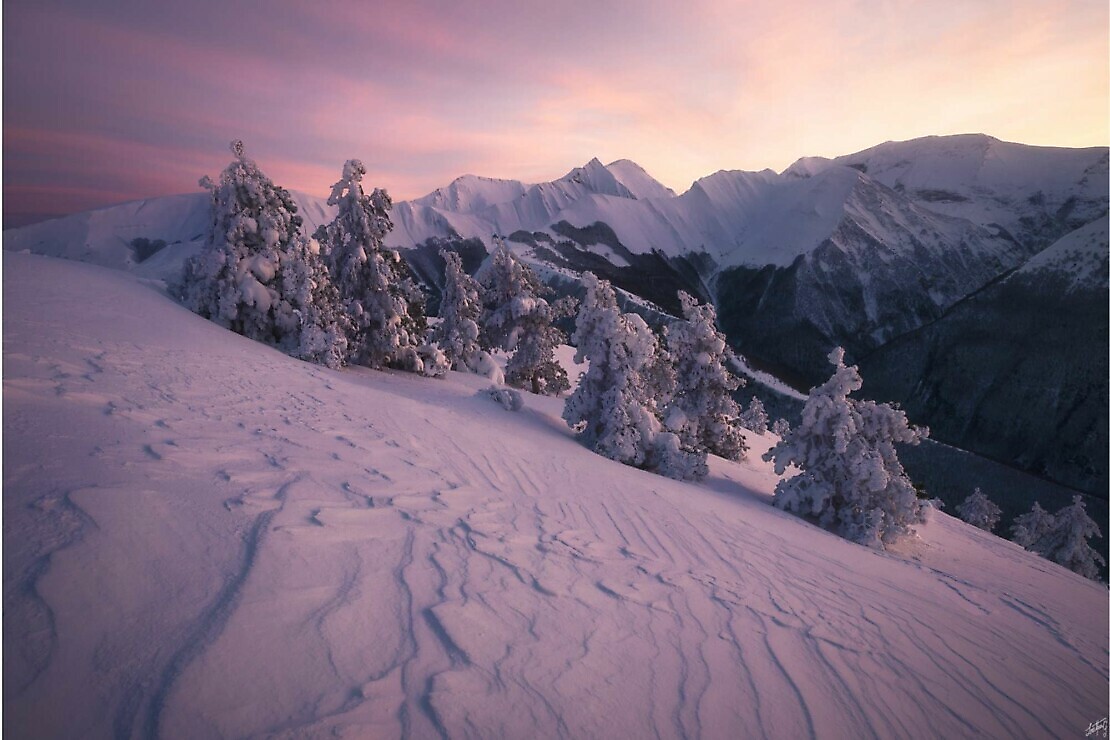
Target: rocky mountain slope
<point x="1018" y="371"/>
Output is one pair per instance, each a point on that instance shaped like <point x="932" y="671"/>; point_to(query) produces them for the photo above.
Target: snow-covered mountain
<point x="1036" y="193"/>
<point x="942" y="191"/>
<point x="854" y="251"/>
<point x="1018" y="371"/>
<point x="206" y="538"/>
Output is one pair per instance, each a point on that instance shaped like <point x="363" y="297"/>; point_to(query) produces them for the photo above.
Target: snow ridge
<point x="970" y="188"/>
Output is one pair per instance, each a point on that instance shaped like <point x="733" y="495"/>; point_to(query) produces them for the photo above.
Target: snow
<point x="986" y="180"/>
<point x="205" y="538"/>
<point x="103" y="236"/>
<point x="737" y="217"/>
<point x="767" y="380"/>
<point x="637" y="181"/>
<point x="1082" y="255"/>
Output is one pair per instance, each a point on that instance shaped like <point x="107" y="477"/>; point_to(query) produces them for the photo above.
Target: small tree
<point x="703" y="391"/>
<point x="754" y="417"/>
<point x="459" y="313"/>
<point x="1066" y="542"/>
<point x="518" y="319"/>
<point x="1028" y="530"/>
<point x="850" y="480"/>
<point x="385" y="304"/>
<point x="979" y="511"/>
<point x="781" y="427"/>
<point x="257" y="274"/>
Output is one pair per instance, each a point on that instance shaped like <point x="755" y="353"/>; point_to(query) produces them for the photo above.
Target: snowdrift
<point x="205" y="538"/>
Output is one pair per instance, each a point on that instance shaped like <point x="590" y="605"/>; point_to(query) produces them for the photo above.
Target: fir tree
<point x="702" y="410"/>
<point x="385" y="305"/>
<point x="459" y="312"/>
<point x="1028" y="530"/>
<point x="258" y="275"/>
<point x="314" y="307"/>
<point x="1066" y="542"/>
<point x="979" y="511"/>
<point x="613" y="408"/>
<point x="754" y="417"/>
<point x="781" y="427"/>
<point x="850" y="480"/>
<point x="518" y="319"/>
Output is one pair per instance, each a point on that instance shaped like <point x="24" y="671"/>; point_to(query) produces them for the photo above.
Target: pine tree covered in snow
<point x="324" y="327"/>
<point x="708" y="417"/>
<point x="754" y="417"/>
<point x="385" y="304"/>
<point x="1066" y="541"/>
<point x="781" y="427"/>
<point x="460" y="310"/>
<point x="613" y="407"/>
<point x="258" y="275"/>
<point x="850" y="479"/>
<point x="979" y="511"/>
<point x="518" y="319"/>
<point x="1028" y="530"/>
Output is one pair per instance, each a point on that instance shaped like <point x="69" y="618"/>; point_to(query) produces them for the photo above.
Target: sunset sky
<point x="109" y="101"/>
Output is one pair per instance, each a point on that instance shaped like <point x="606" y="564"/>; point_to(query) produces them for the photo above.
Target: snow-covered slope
<point x="637" y="181"/>
<point x="106" y="236"/>
<point x="1081" y="255"/>
<point x="1034" y="192"/>
<point x="205" y="538"/>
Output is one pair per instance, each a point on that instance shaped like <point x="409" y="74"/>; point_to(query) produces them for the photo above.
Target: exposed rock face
<point x="1018" y="371"/>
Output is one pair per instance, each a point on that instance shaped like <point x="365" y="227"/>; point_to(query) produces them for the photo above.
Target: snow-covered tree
<point x="979" y="511"/>
<point x="1066" y="542"/>
<point x="510" y="399"/>
<point x="612" y="408"/>
<point x="754" y="417"/>
<point x="459" y="313"/>
<point x="850" y="480"/>
<point x="702" y="411"/>
<point x="518" y="319"/>
<point x="385" y="304"/>
<point x="1028" y="530"/>
<point x="313" y="306"/>
<point x="258" y="275"/>
<point x="781" y="427"/>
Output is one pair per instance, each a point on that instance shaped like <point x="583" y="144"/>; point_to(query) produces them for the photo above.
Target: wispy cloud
<point x="124" y="99"/>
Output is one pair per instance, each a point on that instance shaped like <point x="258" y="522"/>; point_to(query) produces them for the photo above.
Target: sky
<point x="116" y="100"/>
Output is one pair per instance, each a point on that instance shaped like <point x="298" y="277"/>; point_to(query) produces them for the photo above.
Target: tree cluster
<point x="661" y="406"/>
<point x="340" y="296"/>
<point x="1061" y="537"/>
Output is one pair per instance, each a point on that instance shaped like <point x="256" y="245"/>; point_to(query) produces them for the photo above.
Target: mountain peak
<point x="637" y="180"/>
<point x="596" y="178"/>
<point x="808" y="167"/>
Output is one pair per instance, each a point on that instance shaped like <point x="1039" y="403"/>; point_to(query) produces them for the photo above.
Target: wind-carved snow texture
<point x="205" y="538"/>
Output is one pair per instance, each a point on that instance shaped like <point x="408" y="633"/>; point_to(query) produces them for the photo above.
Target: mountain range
<point x="967" y="275"/>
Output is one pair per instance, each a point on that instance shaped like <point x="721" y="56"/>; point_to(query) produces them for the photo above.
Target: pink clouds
<point x="131" y="100"/>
